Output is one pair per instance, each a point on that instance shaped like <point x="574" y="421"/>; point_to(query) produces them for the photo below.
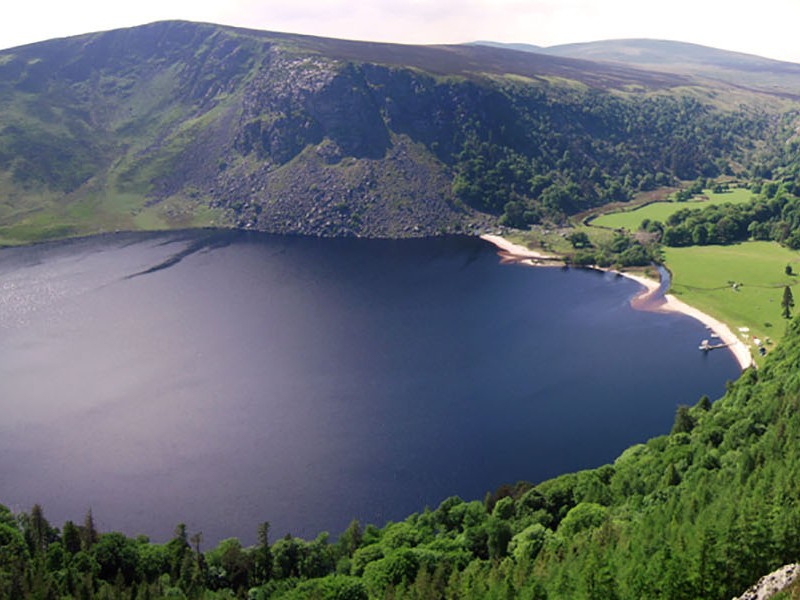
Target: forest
<point x="700" y="513"/>
<point x="577" y="150"/>
<point x="773" y="215"/>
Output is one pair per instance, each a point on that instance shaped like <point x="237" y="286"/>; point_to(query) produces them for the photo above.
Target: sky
<point x="767" y="28"/>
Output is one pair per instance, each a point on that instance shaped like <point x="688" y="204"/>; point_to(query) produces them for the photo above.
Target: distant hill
<point x="509" y="46"/>
<point x="680" y="58"/>
<point x="649" y="53"/>
<point x="178" y="124"/>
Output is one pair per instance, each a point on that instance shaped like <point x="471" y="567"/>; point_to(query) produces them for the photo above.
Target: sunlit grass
<point x="94" y="213"/>
<point x="704" y="277"/>
<point x="661" y="211"/>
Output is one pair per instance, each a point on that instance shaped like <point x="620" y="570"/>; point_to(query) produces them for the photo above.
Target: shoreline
<point x="648" y="299"/>
<point x="510" y="252"/>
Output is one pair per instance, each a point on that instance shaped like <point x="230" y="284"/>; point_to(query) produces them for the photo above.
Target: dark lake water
<point x="224" y="379"/>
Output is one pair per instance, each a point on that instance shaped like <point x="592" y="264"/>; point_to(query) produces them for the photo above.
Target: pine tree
<point x="351" y="539"/>
<point x="684" y="422"/>
<point x="71" y="538"/>
<point x="90" y="536"/>
<point x="38" y="530"/>
<point x="196" y="540"/>
<point x="263" y="555"/>
<point x="787" y="304"/>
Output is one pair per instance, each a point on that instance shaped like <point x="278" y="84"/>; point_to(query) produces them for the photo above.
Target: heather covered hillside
<point x="179" y="124"/>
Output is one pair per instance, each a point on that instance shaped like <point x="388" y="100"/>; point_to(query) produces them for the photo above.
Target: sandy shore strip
<point x="514" y="253"/>
<point x="648" y="300"/>
<point x="740" y="350"/>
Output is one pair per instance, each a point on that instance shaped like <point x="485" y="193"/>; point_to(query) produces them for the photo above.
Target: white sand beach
<point x="510" y="252"/>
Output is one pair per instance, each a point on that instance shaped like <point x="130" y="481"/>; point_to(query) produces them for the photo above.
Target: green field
<point x="48" y="219"/>
<point x="660" y="211"/>
<point x="703" y="276"/>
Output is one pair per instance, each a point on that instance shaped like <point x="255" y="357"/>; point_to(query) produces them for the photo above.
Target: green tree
<point x="317" y="559"/>
<point x="153" y="561"/>
<point x="704" y="403"/>
<point x="787" y="303"/>
<point x="671" y="476"/>
<point x="399" y="567"/>
<point x="232" y="562"/>
<point x="262" y="559"/>
<point x="71" y="537"/>
<point x="89" y="531"/>
<point x="177" y="548"/>
<point x="585" y="515"/>
<point x="684" y="422"/>
<point x="351" y="539"/>
<point x="13" y="560"/>
<point x="580" y="239"/>
<point x="700" y="234"/>
<point x="117" y="555"/>
<point x="196" y="540"/>
<point x="286" y="557"/>
<point x="498" y="536"/>
<point x="36" y="531"/>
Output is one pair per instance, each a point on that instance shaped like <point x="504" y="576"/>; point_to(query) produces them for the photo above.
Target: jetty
<point x="707" y="346"/>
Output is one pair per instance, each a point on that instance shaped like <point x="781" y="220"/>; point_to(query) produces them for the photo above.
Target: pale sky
<point x="767" y="28"/>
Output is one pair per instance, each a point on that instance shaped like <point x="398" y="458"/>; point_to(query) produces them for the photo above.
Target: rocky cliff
<point x="180" y="124"/>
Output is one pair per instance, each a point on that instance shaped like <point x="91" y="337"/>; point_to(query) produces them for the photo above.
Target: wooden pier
<point x="706" y="346"/>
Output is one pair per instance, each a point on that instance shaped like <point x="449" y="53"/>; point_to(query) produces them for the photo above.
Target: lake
<point x="222" y="379"/>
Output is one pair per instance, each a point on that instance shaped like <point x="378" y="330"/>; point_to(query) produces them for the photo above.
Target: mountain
<point x="651" y="53"/>
<point x="682" y="58"/>
<point x="178" y="124"/>
<point x="510" y="46"/>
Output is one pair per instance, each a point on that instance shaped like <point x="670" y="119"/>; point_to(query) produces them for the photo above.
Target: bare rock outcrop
<point x="771" y="584"/>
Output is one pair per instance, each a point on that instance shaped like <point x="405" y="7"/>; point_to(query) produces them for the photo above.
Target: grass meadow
<point x="704" y="277"/>
<point x="660" y="211"/>
<point x="51" y="218"/>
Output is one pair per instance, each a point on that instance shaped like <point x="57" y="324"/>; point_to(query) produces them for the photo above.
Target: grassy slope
<point x="702" y="276"/>
<point x="660" y="211"/>
<point x="117" y="117"/>
<point x="112" y="210"/>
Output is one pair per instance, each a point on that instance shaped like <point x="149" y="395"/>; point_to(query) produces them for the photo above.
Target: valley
<point x="206" y="249"/>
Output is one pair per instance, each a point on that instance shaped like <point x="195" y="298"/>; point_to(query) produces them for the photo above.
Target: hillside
<point x="741" y="70"/>
<point x="180" y="124"/>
